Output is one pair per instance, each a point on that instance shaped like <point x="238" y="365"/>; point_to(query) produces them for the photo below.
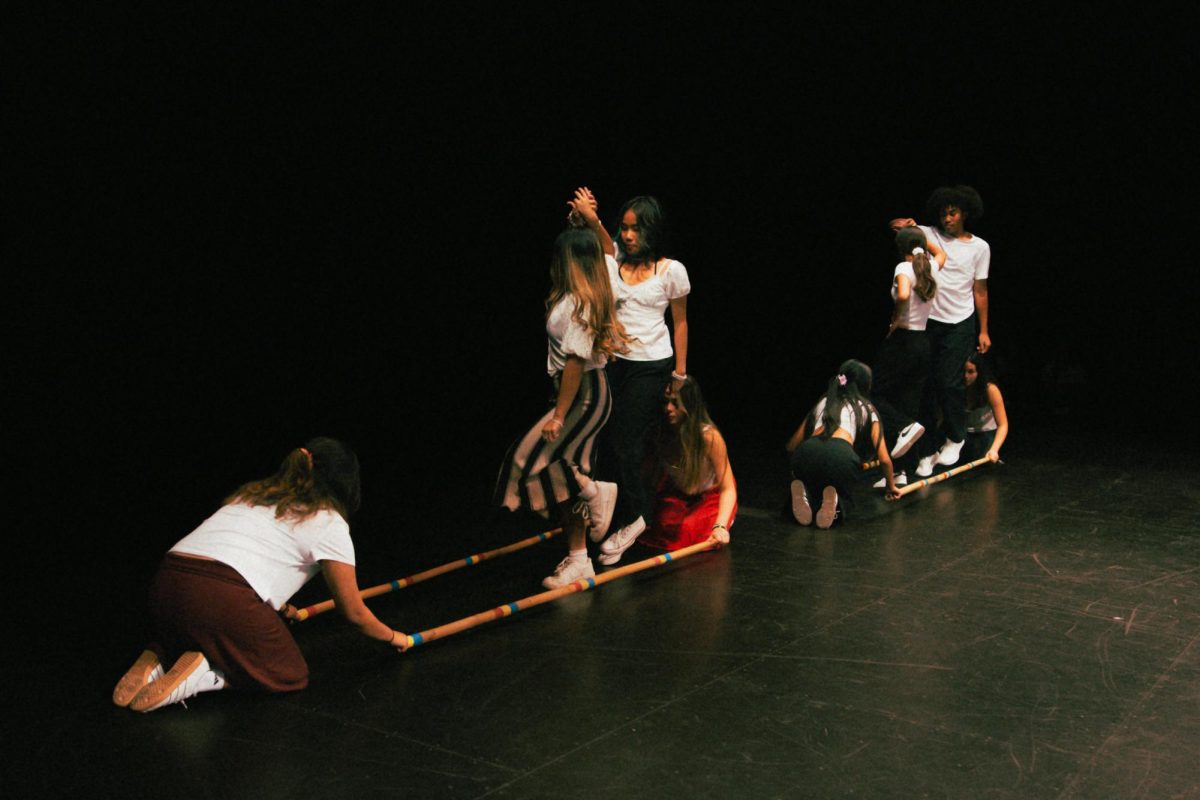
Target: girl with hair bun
<point x="218" y="599"/>
<point x="823" y="447"/>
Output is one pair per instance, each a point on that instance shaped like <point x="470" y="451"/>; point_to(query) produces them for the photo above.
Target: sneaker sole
<point x="828" y="510"/>
<point x="801" y="510"/>
<point x="136" y="678"/>
<point x="158" y="691"/>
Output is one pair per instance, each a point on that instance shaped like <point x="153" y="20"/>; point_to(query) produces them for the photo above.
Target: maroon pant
<point x="207" y="606"/>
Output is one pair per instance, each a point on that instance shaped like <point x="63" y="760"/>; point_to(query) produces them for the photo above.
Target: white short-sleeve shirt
<point x="966" y="262"/>
<point x="914" y="312"/>
<point x="642" y="308"/>
<point x="275" y="556"/>
<point x="848" y="420"/>
<point x="567" y="336"/>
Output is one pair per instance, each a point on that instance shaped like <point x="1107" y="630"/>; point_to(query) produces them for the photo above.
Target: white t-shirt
<point x="567" y="336"/>
<point x="642" y="308"/>
<point x="914" y="312"/>
<point x="966" y="262"/>
<point x="848" y="420"/>
<point x="275" y="556"/>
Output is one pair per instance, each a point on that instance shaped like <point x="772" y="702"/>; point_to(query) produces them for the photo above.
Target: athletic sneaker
<point x="147" y="668"/>
<point x="901" y="480"/>
<point x="908" y="435"/>
<point x="190" y="675"/>
<point x="601" y="508"/>
<point x="948" y="455"/>
<point x="612" y="548"/>
<point x="925" y="467"/>
<point x="568" y="571"/>
<point x="801" y="510"/>
<point x="828" y="511"/>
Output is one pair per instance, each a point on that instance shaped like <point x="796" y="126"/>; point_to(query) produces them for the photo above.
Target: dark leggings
<point x="637" y="391"/>
<point x="826" y="462"/>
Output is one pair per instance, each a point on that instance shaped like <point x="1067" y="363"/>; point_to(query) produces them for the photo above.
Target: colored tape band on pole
<point x="405" y="582"/>
<point x="483" y="617"/>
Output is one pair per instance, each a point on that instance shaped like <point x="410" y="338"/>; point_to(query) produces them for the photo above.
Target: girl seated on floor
<point x="987" y="419"/>
<point x="219" y="597"/>
<point x="823" y="455"/>
<point x="696" y="496"/>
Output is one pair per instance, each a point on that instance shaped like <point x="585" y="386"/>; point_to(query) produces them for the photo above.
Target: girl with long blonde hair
<point x="548" y="470"/>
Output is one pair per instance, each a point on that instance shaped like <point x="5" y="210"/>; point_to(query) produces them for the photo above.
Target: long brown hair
<point x="578" y="269"/>
<point x="687" y="444"/>
<point x="322" y="474"/>
<point x="907" y="240"/>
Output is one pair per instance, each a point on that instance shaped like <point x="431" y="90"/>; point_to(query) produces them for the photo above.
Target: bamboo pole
<point x="508" y="609"/>
<point x="941" y="476"/>
<point x="401" y="583"/>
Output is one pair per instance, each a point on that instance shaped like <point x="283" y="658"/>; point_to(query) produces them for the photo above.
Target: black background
<point x="236" y="230"/>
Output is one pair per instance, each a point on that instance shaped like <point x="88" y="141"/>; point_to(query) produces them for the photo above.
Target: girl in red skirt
<point x="220" y="595"/>
<point x="696" y="497"/>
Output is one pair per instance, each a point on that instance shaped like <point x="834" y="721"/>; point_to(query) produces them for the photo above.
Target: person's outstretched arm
<point x="343" y="585"/>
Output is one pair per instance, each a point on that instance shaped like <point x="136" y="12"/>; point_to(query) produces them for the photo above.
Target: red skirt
<point x="207" y="606"/>
<point x="681" y="519"/>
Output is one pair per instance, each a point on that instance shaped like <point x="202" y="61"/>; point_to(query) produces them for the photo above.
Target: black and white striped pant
<point x="539" y="475"/>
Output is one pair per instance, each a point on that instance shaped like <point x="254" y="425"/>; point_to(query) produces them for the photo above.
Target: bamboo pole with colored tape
<point x="401" y="583"/>
<point x="582" y="585"/>
<point x="870" y="465"/>
<point x="941" y="476"/>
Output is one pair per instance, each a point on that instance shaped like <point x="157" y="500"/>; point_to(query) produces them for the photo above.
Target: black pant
<point x="900" y="373"/>
<point x="638" y="398"/>
<point x="950" y="345"/>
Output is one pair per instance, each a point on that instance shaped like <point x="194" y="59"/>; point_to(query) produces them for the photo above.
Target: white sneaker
<point x="145" y="670"/>
<point x="801" y="510"/>
<point x="568" y="571"/>
<point x="612" y="548"/>
<point x="828" y="511"/>
<point x="948" y="455"/>
<point x="925" y="467"/>
<point x="190" y="675"/>
<point x="907" y="437"/>
<point x="901" y="480"/>
<point x="601" y="509"/>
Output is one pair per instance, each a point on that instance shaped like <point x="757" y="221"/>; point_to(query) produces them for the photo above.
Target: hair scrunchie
<point x="918" y="251"/>
<point x="841" y="380"/>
